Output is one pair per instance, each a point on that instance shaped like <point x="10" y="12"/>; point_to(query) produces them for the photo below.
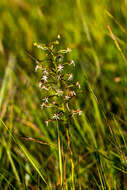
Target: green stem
<point x="60" y="158"/>
<point x="71" y="158"/>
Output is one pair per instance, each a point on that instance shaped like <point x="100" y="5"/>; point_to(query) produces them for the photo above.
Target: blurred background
<point x="97" y="33"/>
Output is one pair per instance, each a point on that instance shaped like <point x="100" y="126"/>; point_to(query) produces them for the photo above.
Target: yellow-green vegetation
<point x="92" y="152"/>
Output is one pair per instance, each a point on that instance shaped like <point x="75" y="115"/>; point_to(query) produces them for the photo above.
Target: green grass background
<point x="97" y="33"/>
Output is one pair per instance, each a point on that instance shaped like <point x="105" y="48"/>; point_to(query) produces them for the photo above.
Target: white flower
<point x="70" y="77"/>
<point x="73" y="93"/>
<point x="43" y="105"/>
<point x="37" y="67"/>
<point x="60" y="68"/>
<point x="44" y="87"/>
<point x="73" y="63"/>
<point x="78" y="111"/>
<point x="45" y="99"/>
<point x="58" y="36"/>
<point x="44" y="78"/>
<point x="56" y="117"/>
<point x="78" y="84"/>
<point x="45" y="72"/>
<point x="47" y="122"/>
<point x="40" y="84"/>
<point x="67" y="97"/>
<point x="69" y="50"/>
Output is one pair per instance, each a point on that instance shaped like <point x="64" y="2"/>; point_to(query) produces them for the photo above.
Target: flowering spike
<point x="58" y="89"/>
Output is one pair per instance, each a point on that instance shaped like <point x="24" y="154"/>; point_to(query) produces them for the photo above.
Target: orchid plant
<point x="56" y="83"/>
<point x="58" y="89"/>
